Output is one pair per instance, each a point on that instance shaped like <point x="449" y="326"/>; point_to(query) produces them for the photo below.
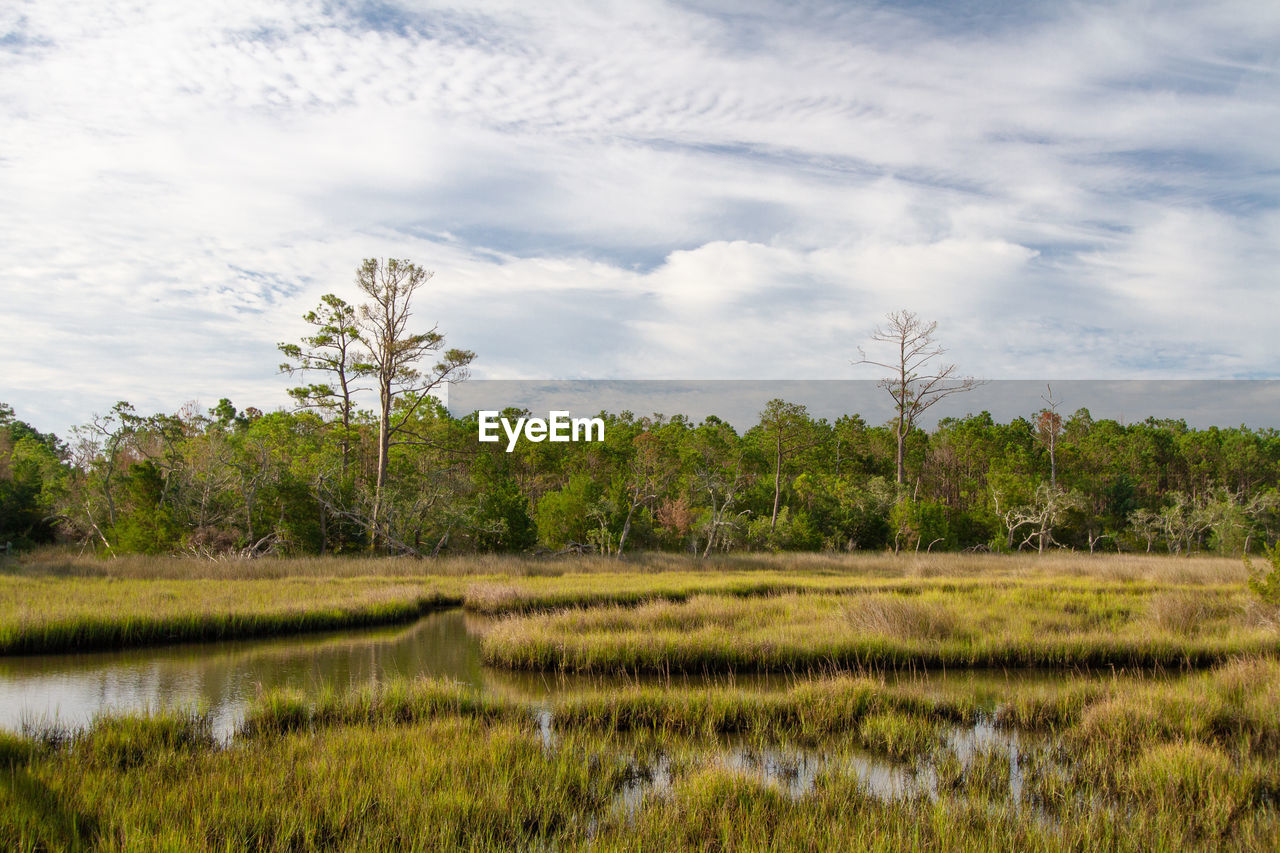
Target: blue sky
<point x="635" y="189"/>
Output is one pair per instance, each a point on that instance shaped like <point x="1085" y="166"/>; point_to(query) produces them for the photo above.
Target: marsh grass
<point x="899" y="617"/>
<point x="395" y="702"/>
<point x="1124" y="762"/>
<point x="448" y="784"/>
<point x="1191" y="777"/>
<point x="55" y="600"/>
<point x="1186" y="612"/>
<point x="63" y="562"/>
<point x="899" y="735"/>
<point x="431" y="765"/>
<point x="42" y="614"/>
<point x="932" y="624"/>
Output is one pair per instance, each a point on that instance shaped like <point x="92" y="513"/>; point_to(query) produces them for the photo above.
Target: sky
<point x="647" y="190"/>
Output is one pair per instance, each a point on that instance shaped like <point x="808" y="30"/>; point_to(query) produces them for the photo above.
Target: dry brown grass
<point x="1150" y="568"/>
<point x="904" y="618"/>
<point x="493" y="597"/>
<point x="1185" y="612"/>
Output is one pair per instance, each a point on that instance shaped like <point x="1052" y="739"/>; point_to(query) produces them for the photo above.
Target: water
<point x="69" y="690"/>
<point x="222" y="678"/>
<point x="795" y="769"/>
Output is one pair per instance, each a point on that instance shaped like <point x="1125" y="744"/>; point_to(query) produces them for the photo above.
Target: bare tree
<point x="1047" y="510"/>
<point x="1185" y="520"/>
<point x="392" y="356"/>
<point x="917" y="381"/>
<point x="1146" y="524"/>
<point x="718" y="473"/>
<point x="104" y="444"/>
<point x="1049" y="429"/>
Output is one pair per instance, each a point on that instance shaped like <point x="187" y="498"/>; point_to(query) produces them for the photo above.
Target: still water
<point x="222" y="678"/>
<point x="69" y="690"/>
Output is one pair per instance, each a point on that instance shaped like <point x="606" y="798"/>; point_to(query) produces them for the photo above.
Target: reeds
<point x="40" y="615"/>
<point x="57" y="601"/>
<point x="1032" y="624"/>
<point x="432" y="765"/>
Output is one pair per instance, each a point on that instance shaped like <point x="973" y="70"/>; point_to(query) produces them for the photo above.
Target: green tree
<point x="32" y="481"/>
<point x="784" y="430"/>
<point x="392" y="357"/>
<point x="571" y="515"/>
<point x="331" y="351"/>
<point x="145" y="524"/>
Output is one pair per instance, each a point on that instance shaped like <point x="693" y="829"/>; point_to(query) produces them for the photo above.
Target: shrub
<point x="1266" y="585"/>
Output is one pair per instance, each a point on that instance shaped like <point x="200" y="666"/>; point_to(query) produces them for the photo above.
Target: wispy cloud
<point x="635" y="189"/>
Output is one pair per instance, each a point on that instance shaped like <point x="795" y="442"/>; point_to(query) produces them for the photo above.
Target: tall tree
<point x="653" y="466"/>
<point x="392" y="357"/>
<point x="715" y="456"/>
<point x="785" y="429"/>
<point x="918" y="380"/>
<point x="1049" y="430"/>
<point x="331" y="350"/>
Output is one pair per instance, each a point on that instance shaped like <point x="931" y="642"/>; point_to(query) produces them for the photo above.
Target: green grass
<point x="1191" y="764"/>
<point x="42" y="614"/>
<point x="862" y="609"/>
<point x="1136" y="760"/>
<point x="450" y="783"/>
<point x="927" y="623"/>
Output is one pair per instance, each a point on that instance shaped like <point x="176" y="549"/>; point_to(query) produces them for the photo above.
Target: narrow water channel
<point x="69" y="690"/>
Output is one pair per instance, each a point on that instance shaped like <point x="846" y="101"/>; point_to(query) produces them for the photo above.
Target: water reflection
<point x="795" y="769"/>
<point x="221" y="678"/>
<point x="70" y="690"/>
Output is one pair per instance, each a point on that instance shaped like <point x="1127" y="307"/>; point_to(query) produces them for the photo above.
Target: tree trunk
<point x="902" y="442"/>
<point x="626" y="528"/>
<point x="777" y="482"/>
<point x="384" y="445"/>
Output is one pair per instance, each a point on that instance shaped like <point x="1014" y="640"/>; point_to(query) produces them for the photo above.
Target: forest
<point x="230" y="481"/>
<point x="406" y="477"/>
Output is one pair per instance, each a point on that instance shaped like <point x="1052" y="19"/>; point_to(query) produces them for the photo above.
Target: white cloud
<point x="637" y="189"/>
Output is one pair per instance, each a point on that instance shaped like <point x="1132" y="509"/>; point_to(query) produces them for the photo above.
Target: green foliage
<point x="792" y="532"/>
<point x="920" y="525"/>
<point x="570" y="514"/>
<point x="304" y="482"/>
<point x="1266" y="583"/>
<point x="32" y="481"/>
<point x="145" y="524"/>
<point x="502" y="520"/>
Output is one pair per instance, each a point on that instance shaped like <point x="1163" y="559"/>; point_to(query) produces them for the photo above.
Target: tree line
<point x="404" y="476"/>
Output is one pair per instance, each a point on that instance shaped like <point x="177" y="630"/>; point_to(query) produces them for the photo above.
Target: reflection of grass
<point x="251" y="652"/>
<point x="435" y="765"/>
